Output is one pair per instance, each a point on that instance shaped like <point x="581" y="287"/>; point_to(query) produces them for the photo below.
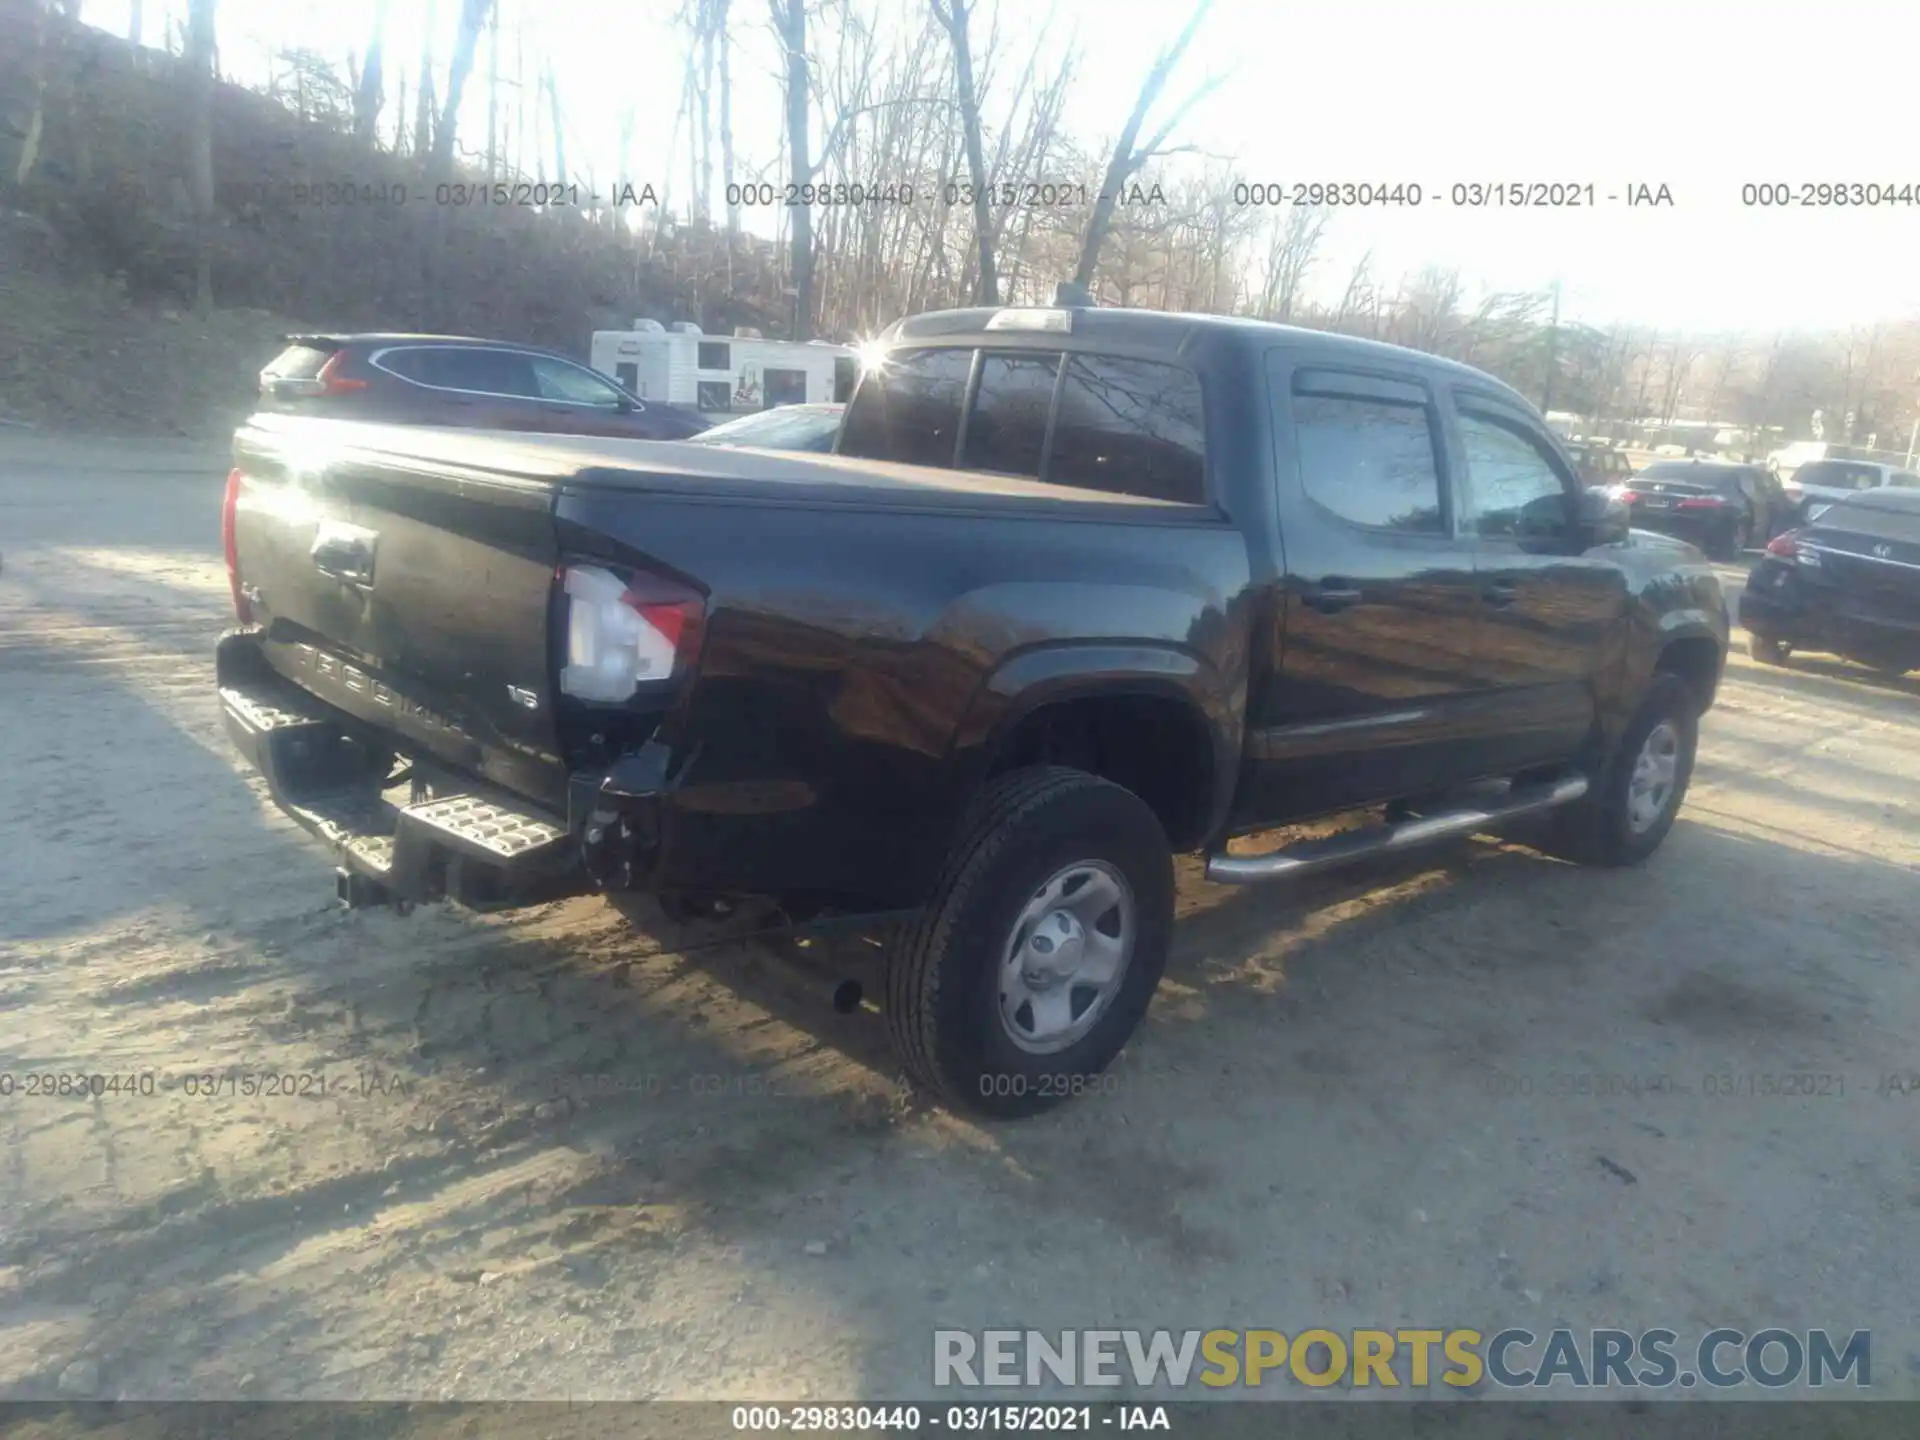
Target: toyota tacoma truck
<point x="1079" y="590"/>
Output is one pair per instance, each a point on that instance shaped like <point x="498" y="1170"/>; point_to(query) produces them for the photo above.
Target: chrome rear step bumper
<point x="464" y="841"/>
<point x="1334" y="850"/>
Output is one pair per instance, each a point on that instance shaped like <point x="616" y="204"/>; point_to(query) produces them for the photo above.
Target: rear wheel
<point x="1041" y="948"/>
<point x="1638" y="791"/>
<point x="1767" y="650"/>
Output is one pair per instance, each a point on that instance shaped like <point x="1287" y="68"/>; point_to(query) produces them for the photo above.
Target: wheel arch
<point x="1148" y="717"/>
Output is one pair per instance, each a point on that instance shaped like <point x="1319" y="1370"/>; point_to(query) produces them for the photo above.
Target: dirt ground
<point x="581" y="1152"/>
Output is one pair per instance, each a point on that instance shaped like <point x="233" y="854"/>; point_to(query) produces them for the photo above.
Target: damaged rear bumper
<point x="406" y="828"/>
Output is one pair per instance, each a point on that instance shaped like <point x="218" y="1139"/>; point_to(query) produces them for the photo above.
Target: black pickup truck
<point x="1080" y="589"/>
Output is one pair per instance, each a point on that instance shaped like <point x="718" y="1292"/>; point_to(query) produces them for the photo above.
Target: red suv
<point x="448" y="380"/>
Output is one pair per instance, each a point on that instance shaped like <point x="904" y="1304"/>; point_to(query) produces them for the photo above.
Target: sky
<point x="1699" y="96"/>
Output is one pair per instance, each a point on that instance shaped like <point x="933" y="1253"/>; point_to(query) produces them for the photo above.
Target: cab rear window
<point x="1094" y="422"/>
<point x="907" y="409"/>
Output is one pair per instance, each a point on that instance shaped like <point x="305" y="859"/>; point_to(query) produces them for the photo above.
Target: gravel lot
<point x="1355" y="1102"/>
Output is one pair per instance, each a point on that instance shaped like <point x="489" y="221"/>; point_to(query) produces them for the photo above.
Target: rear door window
<point x="487" y="372"/>
<point x="908" y="408"/>
<point x="1007" y="429"/>
<point x="1131" y="427"/>
<point x="1370" y="461"/>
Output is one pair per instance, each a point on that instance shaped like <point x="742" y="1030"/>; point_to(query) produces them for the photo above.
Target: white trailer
<point x="722" y="375"/>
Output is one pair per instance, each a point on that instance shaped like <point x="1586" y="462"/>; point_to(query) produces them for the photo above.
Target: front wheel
<point x="1638" y="791"/>
<point x="1041" y="948"/>
<point x="1766" y="650"/>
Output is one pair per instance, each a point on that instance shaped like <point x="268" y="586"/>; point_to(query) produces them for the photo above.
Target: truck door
<point x="1372" y="695"/>
<point x="1549" y="616"/>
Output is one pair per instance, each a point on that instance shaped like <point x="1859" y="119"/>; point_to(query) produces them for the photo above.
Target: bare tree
<point x="493" y="93"/>
<point x="559" y="130"/>
<point x="1293" y="240"/>
<point x="1128" y="154"/>
<point x="36" y="122"/>
<point x="370" y="92"/>
<point x="717" y="20"/>
<point x="790" y="24"/>
<point x="952" y="15"/>
<point x="473" y="15"/>
<point x="200" y="42"/>
<point x="1359" y="298"/>
<point x="423" y="98"/>
<point x="1680" y="363"/>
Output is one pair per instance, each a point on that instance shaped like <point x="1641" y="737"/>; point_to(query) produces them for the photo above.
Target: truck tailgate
<point x="411" y="593"/>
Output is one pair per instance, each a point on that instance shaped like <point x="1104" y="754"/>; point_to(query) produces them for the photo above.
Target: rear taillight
<point x="1790" y="546"/>
<point x="332" y="382"/>
<point x="624" y="633"/>
<point x="229" y="541"/>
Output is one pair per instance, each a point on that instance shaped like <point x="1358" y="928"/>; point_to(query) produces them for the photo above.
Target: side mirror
<point x="1604" y="518"/>
<point x="624" y="406"/>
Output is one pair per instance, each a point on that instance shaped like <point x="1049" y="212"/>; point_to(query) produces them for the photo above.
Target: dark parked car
<point x="1149" y="582"/>
<point x="447" y="380"/>
<point x="786" y="427"/>
<point x="1848" y="584"/>
<point x="1721" y="507"/>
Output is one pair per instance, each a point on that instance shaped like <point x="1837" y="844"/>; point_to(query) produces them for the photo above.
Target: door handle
<point x="1500" y="593"/>
<point x="345" y="552"/>
<point x="1332" y="595"/>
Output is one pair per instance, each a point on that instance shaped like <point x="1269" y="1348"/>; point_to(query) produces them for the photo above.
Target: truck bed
<point x="681" y="467"/>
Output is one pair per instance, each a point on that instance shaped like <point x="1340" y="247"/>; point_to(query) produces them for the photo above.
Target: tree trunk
<point x="493" y="93"/>
<point x="519" y="97"/>
<point x="1126" y="159"/>
<point x="473" y="15"/>
<point x="371" y="92"/>
<point x="36" y="123"/>
<point x="726" y="121"/>
<point x="1553" y="353"/>
<point x="954" y="17"/>
<point x="200" y="23"/>
<point x="703" y="133"/>
<point x="790" y="17"/>
<point x="559" y="134"/>
<point x="423" y="100"/>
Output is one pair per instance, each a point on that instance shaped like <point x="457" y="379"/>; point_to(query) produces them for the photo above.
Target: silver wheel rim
<point x="1067" y="957"/>
<point x="1655" y="769"/>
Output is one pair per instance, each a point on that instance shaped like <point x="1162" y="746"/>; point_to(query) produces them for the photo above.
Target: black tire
<point x="943" y="995"/>
<point x="1597" y="829"/>
<point x="1766" y="650"/>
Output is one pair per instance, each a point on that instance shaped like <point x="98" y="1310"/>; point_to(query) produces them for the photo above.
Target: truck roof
<point x="1171" y="333"/>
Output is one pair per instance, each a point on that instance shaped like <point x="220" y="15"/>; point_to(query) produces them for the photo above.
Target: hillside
<point x="96" y="257"/>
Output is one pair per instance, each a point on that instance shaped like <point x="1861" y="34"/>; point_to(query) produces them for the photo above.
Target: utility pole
<point x="1553" y="352"/>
